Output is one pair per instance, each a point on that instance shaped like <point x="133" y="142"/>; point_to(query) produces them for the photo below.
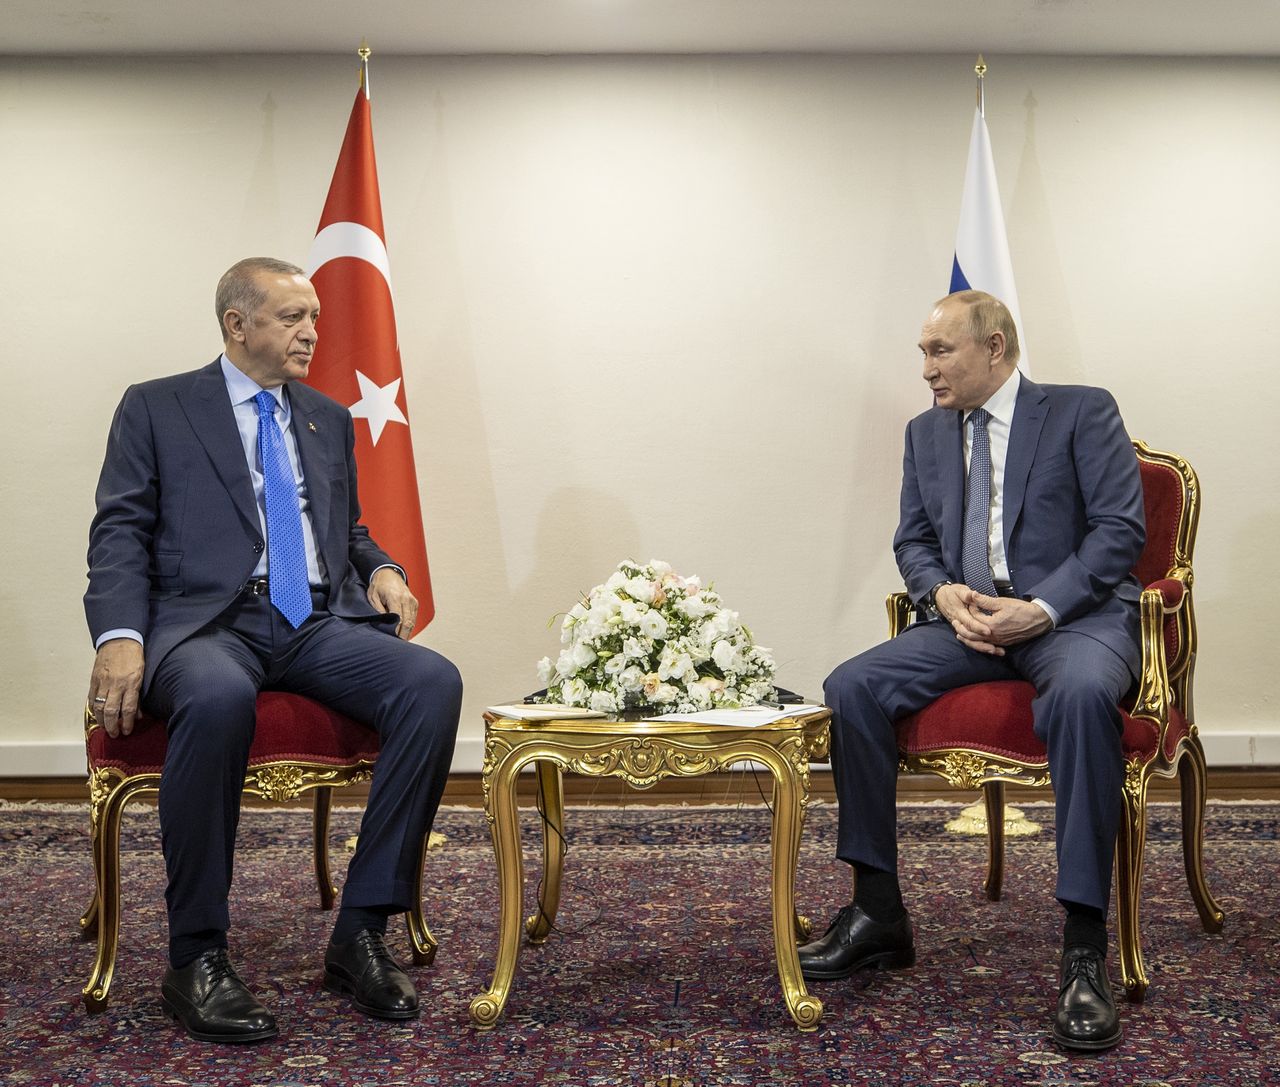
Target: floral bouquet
<point x="648" y="637"/>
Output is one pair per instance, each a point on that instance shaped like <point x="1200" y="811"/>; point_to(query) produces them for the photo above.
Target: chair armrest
<point x="1154" y="698"/>
<point x="1173" y="591"/>
<point x="898" y="605"/>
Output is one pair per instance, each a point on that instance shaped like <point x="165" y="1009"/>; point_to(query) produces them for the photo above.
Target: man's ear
<point x="996" y="345"/>
<point x="233" y="326"/>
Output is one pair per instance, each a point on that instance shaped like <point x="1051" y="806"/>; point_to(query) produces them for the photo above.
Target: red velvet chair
<point x="980" y="736"/>
<point x="298" y="746"/>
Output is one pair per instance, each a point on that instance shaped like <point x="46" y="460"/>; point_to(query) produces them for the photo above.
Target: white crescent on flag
<point x="349" y="240"/>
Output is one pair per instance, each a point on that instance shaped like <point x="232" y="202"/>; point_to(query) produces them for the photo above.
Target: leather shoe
<point x="364" y="970"/>
<point x="1086" y="1017"/>
<point x="854" y="941"/>
<point x="211" y="1002"/>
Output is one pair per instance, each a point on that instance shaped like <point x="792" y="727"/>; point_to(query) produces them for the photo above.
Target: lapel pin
<point x="312" y="427"/>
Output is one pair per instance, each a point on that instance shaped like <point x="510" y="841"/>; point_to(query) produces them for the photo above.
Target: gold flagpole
<point x="364" y="53"/>
<point x="980" y="70"/>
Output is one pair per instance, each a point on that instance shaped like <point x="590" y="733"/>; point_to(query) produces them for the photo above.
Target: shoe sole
<point x="340" y="986"/>
<point x="885" y="960"/>
<point x="204" y="1036"/>
<point x="1086" y="1045"/>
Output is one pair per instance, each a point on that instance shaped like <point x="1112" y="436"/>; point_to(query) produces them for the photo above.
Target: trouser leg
<point x="1079" y="682"/>
<point x="412" y="696"/>
<point x="867" y="694"/>
<point x="206" y="687"/>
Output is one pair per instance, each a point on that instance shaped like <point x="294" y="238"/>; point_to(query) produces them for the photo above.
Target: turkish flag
<point x="357" y="358"/>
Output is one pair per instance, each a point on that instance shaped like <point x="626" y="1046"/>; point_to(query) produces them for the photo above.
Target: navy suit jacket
<point x="1073" y="515"/>
<point x="177" y="534"/>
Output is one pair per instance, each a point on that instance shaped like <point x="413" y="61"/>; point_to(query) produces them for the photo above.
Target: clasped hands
<point x="118" y="667"/>
<point x="989" y="623"/>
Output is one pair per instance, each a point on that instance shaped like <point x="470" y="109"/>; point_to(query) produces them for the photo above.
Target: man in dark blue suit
<point x="227" y="556"/>
<point x="1021" y="519"/>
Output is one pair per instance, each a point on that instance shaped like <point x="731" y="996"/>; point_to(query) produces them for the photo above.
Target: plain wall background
<point x="650" y="307"/>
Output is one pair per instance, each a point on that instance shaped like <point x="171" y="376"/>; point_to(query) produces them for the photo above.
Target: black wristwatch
<point x="931" y="599"/>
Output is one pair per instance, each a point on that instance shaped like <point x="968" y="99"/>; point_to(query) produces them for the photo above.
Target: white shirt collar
<point x="1000" y="404"/>
<point x="241" y="387"/>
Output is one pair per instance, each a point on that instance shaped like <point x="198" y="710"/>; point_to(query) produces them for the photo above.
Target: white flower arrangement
<point x="649" y="637"/>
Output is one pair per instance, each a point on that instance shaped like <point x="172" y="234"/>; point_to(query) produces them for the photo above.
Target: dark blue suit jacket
<point x="1073" y="515"/>
<point x="176" y="533"/>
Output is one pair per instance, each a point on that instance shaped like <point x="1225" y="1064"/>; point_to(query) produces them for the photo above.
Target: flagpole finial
<point x="980" y="70"/>
<point x="364" y="53"/>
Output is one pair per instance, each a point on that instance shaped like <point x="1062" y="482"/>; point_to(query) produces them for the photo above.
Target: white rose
<point x="699" y="696"/>
<point x="665" y="694"/>
<point x="544" y="671"/>
<point x="631" y="611"/>
<point x="659" y="567"/>
<point x="725" y="656"/>
<point x="639" y="588"/>
<point x="604" y="702"/>
<point x="653" y="625"/>
<point x="696" y="606"/>
<point x="574" y="692"/>
<point x="581" y="655"/>
<point x="564" y="663"/>
<point x="616" y="581"/>
<point x="634" y="649"/>
<point x="631" y="679"/>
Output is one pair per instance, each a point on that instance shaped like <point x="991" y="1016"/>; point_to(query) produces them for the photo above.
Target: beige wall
<point x="650" y="307"/>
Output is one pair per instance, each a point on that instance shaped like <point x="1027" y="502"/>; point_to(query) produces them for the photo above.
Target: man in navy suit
<point x="200" y="595"/>
<point x="1021" y="519"/>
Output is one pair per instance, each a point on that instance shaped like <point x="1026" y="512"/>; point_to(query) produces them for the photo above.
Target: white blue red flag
<point x="982" y="247"/>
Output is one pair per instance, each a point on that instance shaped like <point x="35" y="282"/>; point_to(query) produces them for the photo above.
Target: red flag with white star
<point x="357" y="358"/>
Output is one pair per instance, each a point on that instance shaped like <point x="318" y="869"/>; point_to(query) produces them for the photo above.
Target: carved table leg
<point x="788" y="811"/>
<point x="551" y="791"/>
<point x="503" y="814"/>
<point x="804" y="926"/>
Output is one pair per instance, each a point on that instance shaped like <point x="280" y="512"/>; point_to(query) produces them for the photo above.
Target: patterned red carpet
<point x="663" y="975"/>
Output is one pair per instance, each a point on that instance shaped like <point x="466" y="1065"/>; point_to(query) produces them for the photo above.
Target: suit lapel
<point x="1024" y="436"/>
<point x="949" y="445"/>
<point x="208" y="410"/>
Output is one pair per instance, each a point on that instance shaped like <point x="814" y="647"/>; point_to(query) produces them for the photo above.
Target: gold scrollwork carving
<point x="643" y="761"/>
<point x="279" y="782"/>
<point x="969" y="770"/>
<point x="101" y="783"/>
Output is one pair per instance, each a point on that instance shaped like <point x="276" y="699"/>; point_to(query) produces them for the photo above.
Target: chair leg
<point x="1191" y="777"/>
<point x="322" y="805"/>
<point x="89" y="919"/>
<point x="1130" y="845"/>
<point x="993" y="795"/>
<point x="106" y="906"/>
<point x="420" y="939"/>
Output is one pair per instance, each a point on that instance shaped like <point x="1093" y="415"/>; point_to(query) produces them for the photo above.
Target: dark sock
<point x="1086" y="926"/>
<point x="184" y="950"/>
<point x="353" y="919"/>
<point x="878" y="893"/>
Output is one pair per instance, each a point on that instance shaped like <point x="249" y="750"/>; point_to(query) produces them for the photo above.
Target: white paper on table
<point x="748" y="717"/>
<point x="543" y="711"/>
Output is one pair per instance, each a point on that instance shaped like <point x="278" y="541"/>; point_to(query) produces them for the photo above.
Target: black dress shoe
<point x="1086" y="1017"/>
<point x="211" y="1002"/>
<point x="364" y="970"/>
<point x="854" y="941"/>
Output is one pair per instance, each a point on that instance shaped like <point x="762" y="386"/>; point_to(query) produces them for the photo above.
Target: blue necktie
<point x="286" y="552"/>
<point x="975" y="561"/>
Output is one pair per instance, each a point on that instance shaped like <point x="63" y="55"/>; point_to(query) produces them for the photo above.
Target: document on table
<point x="543" y="711"/>
<point x="748" y="717"/>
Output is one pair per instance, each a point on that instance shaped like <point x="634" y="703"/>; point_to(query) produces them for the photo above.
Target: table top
<point x="634" y="723"/>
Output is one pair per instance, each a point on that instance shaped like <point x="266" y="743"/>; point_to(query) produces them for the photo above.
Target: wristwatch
<point x="931" y="598"/>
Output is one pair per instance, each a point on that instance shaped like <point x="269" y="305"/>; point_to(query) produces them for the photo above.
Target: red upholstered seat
<point x="981" y="736"/>
<point x="290" y="728"/>
<point x="298" y="746"/>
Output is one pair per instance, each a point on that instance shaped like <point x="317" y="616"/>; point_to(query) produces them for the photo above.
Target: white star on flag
<point x="377" y="405"/>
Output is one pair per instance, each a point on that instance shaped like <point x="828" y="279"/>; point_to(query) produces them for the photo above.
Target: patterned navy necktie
<point x="286" y="552"/>
<point x="975" y="561"/>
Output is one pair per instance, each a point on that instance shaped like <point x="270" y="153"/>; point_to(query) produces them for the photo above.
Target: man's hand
<point x="114" y="685"/>
<point x="989" y="623"/>
<point x="388" y="592"/>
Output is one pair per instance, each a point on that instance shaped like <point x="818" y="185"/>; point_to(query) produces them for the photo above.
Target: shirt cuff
<point x="389" y="566"/>
<point x="1049" y="610"/>
<point x="119" y="632"/>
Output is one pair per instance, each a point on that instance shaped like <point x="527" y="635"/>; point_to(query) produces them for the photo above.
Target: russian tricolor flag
<point x="982" y="246"/>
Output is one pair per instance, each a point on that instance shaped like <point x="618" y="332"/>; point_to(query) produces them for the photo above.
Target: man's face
<point x="275" y="344"/>
<point x="962" y="372"/>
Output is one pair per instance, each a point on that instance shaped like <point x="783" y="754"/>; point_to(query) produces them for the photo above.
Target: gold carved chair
<point x="299" y="746"/>
<point x="980" y="736"/>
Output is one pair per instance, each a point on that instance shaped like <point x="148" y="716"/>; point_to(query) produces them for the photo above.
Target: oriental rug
<point x="661" y="973"/>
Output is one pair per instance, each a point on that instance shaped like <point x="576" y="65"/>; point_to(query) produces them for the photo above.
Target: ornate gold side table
<point x="641" y="753"/>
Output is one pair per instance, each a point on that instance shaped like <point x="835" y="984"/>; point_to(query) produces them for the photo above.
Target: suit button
<point x="257" y="547"/>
